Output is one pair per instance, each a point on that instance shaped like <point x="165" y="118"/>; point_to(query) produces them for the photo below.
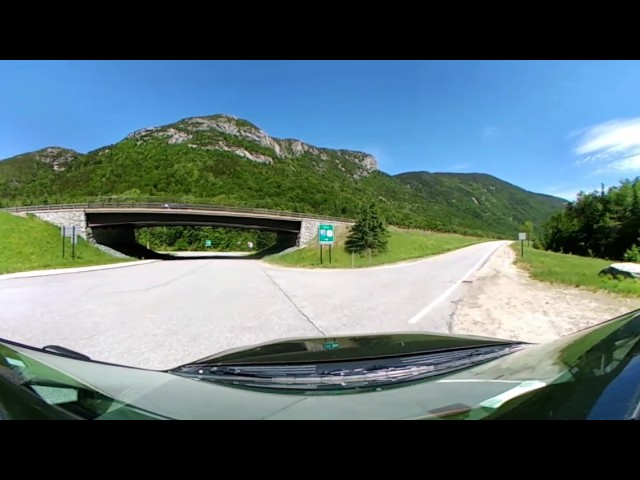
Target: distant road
<point x="162" y="314"/>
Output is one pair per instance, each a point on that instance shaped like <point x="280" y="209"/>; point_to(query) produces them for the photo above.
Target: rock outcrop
<point x="193" y="131"/>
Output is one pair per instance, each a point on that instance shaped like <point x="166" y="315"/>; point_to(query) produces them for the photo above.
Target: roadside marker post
<point x="522" y="236"/>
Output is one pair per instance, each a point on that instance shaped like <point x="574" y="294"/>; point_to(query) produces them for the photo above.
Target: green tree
<point x="632" y="255"/>
<point x="265" y="240"/>
<point x="528" y="228"/>
<point x="369" y="233"/>
<point x="603" y="223"/>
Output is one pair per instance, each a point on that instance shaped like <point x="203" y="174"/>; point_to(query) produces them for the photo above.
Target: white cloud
<point x="629" y="163"/>
<point x="613" y="146"/>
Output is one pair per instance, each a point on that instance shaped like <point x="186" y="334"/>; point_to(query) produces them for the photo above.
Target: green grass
<point x="573" y="270"/>
<point x="28" y="243"/>
<point x="403" y="245"/>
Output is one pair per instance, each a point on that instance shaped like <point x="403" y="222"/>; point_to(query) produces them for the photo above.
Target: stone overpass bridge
<point x="113" y="223"/>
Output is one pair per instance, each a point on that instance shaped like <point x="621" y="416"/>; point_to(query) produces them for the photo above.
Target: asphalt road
<point x="166" y="313"/>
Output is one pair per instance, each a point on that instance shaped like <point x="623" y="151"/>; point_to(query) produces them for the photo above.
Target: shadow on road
<point x="140" y="251"/>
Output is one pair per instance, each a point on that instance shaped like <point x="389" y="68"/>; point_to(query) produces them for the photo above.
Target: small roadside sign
<point x="207" y="243"/>
<point x="325" y="237"/>
<point x="325" y="234"/>
<point x="522" y="236"/>
<point x="72" y="233"/>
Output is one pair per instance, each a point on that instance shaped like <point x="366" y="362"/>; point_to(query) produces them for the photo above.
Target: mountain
<point x="480" y="199"/>
<point x="229" y="161"/>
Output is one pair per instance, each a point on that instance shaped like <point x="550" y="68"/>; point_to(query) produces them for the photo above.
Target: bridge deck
<point x="192" y="211"/>
<point x="155" y="207"/>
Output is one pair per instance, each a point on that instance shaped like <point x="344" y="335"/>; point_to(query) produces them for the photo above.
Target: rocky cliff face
<point x="225" y="133"/>
<point x="55" y="157"/>
<point x="222" y="132"/>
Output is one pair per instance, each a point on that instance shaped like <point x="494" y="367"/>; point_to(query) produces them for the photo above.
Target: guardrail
<point x="172" y="206"/>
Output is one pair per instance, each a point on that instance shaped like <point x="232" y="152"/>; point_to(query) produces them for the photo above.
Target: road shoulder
<point x="385" y="266"/>
<point x="504" y="302"/>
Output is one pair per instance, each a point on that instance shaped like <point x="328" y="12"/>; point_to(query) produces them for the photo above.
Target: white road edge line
<point x="68" y="271"/>
<point x="400" y="264"/>
<point x="418" y="316"/>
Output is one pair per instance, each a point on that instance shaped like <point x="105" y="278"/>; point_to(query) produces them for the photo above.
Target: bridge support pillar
<point x="308" y="230"/>
<point x="66" y="218"/>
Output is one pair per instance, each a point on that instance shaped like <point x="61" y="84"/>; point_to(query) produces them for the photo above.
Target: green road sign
<point x="207" y="243"/>
<point x="325" y="234"/>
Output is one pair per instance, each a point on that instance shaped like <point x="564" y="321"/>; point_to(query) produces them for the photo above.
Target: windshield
<point x="571" y="378"/>
<point x="318" y="238"/>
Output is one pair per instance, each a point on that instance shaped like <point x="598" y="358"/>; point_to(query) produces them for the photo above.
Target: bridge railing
<point x="170" y="206"/>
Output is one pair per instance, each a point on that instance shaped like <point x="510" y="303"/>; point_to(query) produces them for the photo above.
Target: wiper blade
<point x="348" y="374"/>
<point x="66" y="352"/>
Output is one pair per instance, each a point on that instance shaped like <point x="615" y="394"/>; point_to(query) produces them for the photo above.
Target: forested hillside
<point x="229" y="161"/>
<point x="604" y="224"/>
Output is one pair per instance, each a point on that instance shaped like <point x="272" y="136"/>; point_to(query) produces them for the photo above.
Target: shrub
<point x="632" y="254"/>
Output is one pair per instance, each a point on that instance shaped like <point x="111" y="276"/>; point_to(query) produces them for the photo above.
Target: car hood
<point x="162" y="394"/>
<point x="346" y="348"/>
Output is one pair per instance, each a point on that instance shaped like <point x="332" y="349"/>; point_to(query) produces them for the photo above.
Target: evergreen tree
<point x="369" y="233"/>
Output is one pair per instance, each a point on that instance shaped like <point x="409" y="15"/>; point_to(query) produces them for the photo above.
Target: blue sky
<point x="554" y="127"/>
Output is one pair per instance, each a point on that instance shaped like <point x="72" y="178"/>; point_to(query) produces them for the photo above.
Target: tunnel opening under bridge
<point x="171" y="242"/>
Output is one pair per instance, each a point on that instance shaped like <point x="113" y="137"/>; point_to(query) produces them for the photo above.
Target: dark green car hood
<point x="345" y="348"/>
<point x="478" y="390"/>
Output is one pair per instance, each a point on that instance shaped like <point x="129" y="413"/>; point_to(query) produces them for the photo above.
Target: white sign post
<point x="72" y="233"/>
<point x="522" y="236"/>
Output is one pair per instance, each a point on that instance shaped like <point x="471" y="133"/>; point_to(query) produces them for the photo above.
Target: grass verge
<point x="572" y="270"/>
<point x="403" y="245"/>
<point x="29" y="243"/>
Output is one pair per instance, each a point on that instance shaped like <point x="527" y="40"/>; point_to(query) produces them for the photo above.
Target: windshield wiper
<point x="351" y="374"/>
<point x="65" y="352"/>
